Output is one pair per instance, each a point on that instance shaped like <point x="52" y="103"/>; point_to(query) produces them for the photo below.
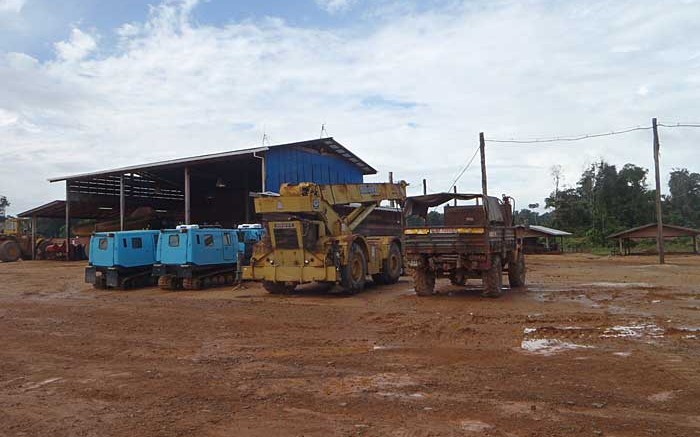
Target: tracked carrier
<point x="193" y="258"/>
<point x="121" y="259"/>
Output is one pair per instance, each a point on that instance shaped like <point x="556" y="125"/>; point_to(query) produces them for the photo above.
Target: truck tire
<point x="353" y="274"/>
<point x="493" y="278"/>
<point x="516" y="271"/>
<point x="459" y="279"/>
<point x="277" y="287"/>
<point x="391" y="267"/>
<point x="423" y="282"/>
<point x="10" y="251"/>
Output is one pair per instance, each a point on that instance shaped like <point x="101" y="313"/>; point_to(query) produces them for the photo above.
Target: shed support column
<point x="67" y="221"/>
<point x="622" y="247"/>
<point x="187" y="196"/>
<point x="34" y="223"/>
<point x="122" y="202"/>
<point x="695" y="244"/>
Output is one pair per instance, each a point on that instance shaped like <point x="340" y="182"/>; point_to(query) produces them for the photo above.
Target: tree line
<point x="606" y="199"/>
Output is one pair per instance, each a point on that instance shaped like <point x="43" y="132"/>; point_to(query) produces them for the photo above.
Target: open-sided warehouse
<point x="206" y="189"/>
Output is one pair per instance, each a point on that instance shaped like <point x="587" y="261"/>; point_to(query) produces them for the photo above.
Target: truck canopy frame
<point x="419" y="205"/>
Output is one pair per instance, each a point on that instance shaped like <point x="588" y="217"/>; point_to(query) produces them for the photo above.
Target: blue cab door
<point x="229" y="246"/>
<point x="174" y="248"/>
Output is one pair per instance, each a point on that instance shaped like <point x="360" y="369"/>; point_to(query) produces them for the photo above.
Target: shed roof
<point x="546" y="231"/>
<point x="57" y="209"/>
<point x="630" y="233"/>
<point x="328" y="144"/>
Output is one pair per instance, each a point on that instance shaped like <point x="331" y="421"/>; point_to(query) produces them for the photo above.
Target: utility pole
<point x="482" y="150"/>
<point x="659" y="220"/>
<point x="455" y="187"/>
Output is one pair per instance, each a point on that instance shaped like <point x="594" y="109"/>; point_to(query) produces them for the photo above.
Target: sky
<point x="406" y="85"/>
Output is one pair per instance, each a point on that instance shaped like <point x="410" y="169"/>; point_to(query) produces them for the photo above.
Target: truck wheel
<point x="277" y="287"/>
<point x="493" y="278"/>
<point x="9" y="251"/>
<point x="354" y="274"/>
<point x="459" y="279"/>
<point x="423" y="282"/>
<point x="391" y="267"/>
<point x="516" y="271"/>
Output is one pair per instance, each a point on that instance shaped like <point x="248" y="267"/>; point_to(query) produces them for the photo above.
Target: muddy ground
<point x="594" y="346"/>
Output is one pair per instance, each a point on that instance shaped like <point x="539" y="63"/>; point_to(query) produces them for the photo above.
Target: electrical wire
<point x="466" y="167"/>
<point x="679" y="125"/>
<point x="565" y="139"/>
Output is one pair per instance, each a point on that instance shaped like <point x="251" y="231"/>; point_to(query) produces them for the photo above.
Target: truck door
<point x="229" y="247"/>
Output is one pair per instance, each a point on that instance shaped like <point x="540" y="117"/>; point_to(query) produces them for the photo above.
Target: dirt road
<point x="595" y="346"/>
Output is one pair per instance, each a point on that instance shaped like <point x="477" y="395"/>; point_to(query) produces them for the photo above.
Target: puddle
<point x="664" y="396"/>
<point x="474" y="426"/>
<point x="618" y="285"/>
<point x="622" y="354"/>
<point x="546" y="346"/>
<point x="633" y="331"/>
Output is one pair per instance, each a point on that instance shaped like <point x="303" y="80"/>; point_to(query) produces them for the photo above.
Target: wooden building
<point x="648" y="232"/>
<point x="541" y="239"/>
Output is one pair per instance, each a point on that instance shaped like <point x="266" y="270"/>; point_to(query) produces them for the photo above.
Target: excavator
<point x="336" y="233"/>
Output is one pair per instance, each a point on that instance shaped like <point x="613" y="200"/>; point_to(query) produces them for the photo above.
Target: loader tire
<point x="424" y="282"/>
<point x="493" y="278"/>
<point x="277" y="287"/>
<point x="10" y="251"/>
<point x="391" y="267"/>
<point x="517" y="271"/>
<point x="353" y="274"/>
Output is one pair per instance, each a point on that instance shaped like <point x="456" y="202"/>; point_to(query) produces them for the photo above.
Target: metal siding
<point x="294" y="166"/>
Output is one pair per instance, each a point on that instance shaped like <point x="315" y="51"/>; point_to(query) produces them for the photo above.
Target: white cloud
<point x="333" y="6"/>
<point x="78" y="46"/>
<point x="11" y="6"/>
<point x="410" y="96"/>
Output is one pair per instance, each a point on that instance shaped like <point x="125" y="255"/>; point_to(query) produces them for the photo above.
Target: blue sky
<point x="407" y="86"/>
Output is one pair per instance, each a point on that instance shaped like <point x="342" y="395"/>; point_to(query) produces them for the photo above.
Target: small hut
<point x="541" y="239"/>
<point x="649" y="232"/>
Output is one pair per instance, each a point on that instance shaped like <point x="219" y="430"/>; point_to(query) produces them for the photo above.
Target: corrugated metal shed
<point x="304" y="164"/>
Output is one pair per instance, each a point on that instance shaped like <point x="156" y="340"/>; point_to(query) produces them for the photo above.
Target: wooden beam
<point x="122" y="202"/>
<point x="67" y="221"/>
<point x="188" y="192"/>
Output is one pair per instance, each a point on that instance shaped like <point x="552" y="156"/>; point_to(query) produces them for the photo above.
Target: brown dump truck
<point x="476" y="241"/>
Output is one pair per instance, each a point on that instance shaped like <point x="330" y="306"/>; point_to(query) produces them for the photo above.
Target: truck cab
<point x="475" y="241"/>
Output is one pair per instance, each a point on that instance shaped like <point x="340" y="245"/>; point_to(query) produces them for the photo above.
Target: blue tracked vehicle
<point x="193" y="257"/>
<point x="122" y="259"/>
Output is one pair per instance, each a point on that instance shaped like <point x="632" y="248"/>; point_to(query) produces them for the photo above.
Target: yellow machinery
<point x="328" y="233"/>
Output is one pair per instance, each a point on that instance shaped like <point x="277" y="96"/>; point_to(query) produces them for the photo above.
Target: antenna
<point x="265" y="138"/>
<point x="323" y="130"/>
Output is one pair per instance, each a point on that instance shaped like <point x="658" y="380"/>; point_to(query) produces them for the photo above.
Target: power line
<point x="680" y="125"/>
<point x="466" y="167"/>
<point x="574" y="138"/>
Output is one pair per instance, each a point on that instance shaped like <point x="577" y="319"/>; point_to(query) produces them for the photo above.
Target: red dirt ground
<point x="594" y="346"/>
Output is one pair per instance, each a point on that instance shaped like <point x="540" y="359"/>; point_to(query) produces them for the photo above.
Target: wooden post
<point x="122" y="202"/>
<point x="482" y="151"/>
<point x="622" y="248"/>
<point x="695" y="244"/>
<point x="659" y="219"/>
<point x="455" y="191"/>
<point x="425" y="186"/>
<point x="187" y="196"/>
<point x="34" y="224"/>
<point x="67" y="221"/>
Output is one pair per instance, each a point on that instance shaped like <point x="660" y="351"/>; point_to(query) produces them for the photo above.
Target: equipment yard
<point x="595" y="346"/>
